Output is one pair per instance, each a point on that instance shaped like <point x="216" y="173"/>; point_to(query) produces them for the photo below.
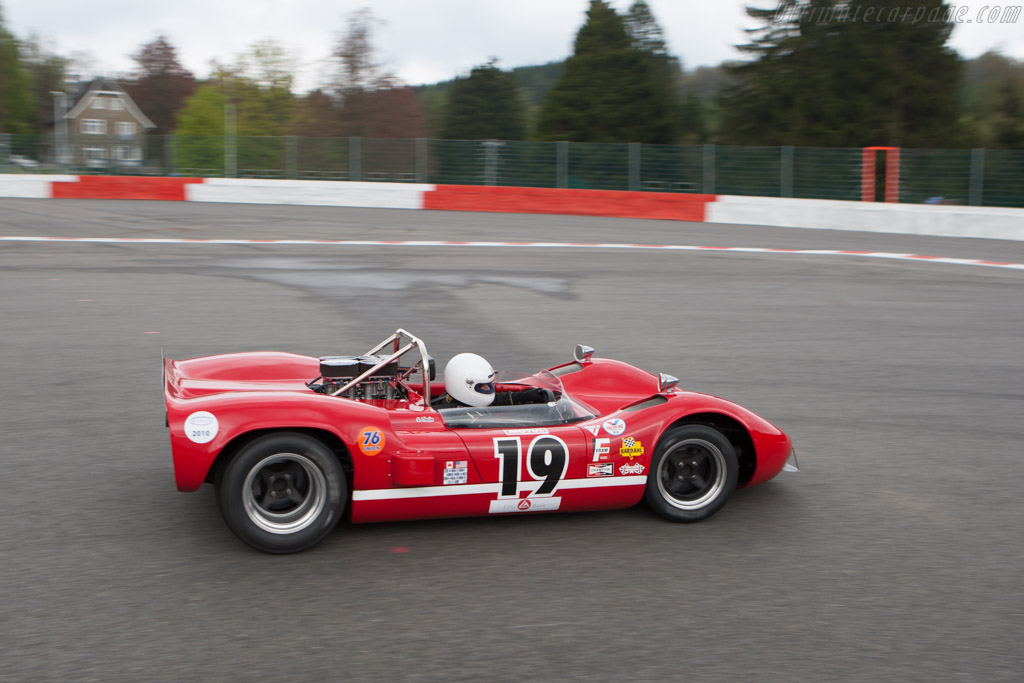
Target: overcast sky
<point x="422" y="41"/>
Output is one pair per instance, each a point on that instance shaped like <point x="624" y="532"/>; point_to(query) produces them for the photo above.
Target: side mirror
<point x="582" y="353"/>
<point x="666" y="382"/>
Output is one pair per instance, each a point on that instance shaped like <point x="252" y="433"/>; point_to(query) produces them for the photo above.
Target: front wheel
<point x="693" y="473"/>
<point x="282" y="493"/>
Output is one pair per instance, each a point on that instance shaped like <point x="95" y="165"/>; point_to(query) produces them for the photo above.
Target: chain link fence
<point x="976" y="177"/>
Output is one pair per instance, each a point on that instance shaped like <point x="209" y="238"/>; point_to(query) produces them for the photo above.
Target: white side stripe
<point x="470" y="489"/>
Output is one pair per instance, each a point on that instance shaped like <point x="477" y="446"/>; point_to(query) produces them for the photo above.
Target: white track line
<point x="919" y="258"/>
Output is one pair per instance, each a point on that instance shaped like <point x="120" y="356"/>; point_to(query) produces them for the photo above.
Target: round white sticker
<point x="615" y="427"/>
<point x="201" y="427"/>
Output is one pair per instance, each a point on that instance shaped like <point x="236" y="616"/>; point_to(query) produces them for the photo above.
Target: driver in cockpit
<point x="469" y="382"/>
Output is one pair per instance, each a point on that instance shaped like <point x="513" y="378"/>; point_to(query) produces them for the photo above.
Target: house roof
<point x="89" y="90"/>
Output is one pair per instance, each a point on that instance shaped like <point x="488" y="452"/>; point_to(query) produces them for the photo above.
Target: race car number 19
<point x="547" y="462"/>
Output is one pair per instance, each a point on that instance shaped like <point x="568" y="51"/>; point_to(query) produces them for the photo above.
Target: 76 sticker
<point x="371" y="440"/>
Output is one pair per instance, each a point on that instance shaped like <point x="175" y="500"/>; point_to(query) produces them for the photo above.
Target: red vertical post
<point x="892" y="175"/>
<point x="891" y="178"/>
<point x="867" y="175"/>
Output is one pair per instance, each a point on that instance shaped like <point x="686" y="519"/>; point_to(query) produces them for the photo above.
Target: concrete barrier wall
<point x="122" y="187"/>
<point x="909" y="219"/>
<point x="30" y="186"/>
<point x="617" y="204"/>
<point x="310" y="193"/>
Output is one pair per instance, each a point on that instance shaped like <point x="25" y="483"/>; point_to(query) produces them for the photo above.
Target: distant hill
<point x="535" y="81"/>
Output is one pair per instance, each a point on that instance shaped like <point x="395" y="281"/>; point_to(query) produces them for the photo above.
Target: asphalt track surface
<point x="895" y="554"/>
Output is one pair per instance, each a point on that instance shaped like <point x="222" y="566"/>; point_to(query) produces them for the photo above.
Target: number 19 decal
<point x="547" y="462"/>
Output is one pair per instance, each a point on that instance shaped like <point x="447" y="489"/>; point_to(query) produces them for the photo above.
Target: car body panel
<point x="407" y="463"/>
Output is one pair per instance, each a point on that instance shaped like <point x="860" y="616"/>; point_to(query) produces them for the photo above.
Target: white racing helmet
<point x="469" y="379"/>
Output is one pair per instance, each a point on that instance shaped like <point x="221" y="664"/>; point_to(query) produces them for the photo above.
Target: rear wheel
<point x="693" y="473"/>
<point x="282" y="493"/>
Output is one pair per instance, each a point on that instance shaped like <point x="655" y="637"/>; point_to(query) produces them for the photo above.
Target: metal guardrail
<point x="973" y="177"/>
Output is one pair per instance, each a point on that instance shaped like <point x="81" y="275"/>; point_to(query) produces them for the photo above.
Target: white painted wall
<point x="30" y="186"/>
<point x="309" y="193"/>
<point x="907" y="219"/>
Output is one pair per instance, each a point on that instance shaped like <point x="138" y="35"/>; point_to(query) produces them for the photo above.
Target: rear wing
<point x="170" y="378"/>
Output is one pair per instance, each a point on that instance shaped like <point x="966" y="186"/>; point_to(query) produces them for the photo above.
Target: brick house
<point x="105" y="129"/>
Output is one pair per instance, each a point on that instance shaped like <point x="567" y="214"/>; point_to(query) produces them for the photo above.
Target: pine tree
<point x="487" y="105"/>
<point x="644" y="29"/>
<point x="822" y="75"/>
<point x="648" y="37"/>
<point x="609" y="90"/>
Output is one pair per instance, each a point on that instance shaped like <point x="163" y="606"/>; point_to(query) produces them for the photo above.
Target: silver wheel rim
<point x="692" y="474"/>
<point x="284" y="493"/>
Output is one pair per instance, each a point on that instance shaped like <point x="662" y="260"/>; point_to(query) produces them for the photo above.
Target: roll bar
<point x="396" y="340"/>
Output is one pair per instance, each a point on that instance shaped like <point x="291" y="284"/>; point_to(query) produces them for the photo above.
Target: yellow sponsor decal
<point x="631" y="448"/>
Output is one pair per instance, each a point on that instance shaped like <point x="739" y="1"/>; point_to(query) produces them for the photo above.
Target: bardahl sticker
<point x="631" y="448"/>
<point x="201" y="427"/>
<point x="371" y="440"/>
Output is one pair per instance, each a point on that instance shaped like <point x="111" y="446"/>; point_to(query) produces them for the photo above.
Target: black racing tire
<point x="282" y="493"/>
<point x="693" y="472"/>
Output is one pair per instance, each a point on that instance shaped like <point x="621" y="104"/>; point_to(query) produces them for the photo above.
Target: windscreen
<point x="546" y="403"/>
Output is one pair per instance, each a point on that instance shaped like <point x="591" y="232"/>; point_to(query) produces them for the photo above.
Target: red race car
<point x="290" y="441"/>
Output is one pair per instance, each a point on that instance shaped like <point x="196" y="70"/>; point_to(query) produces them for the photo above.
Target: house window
<point x="93" y="154"/>
<point x="128" y="153"/>
<point x="125" y="130"/>
<point x="94" y="126"/>
<point x="99" y="103"/>
<point x="116" y="104"/>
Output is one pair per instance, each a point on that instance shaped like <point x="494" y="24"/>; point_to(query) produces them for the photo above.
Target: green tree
<point x="1009" y="124"/>
<point x="16" y="106"/>
<point x="262" y="89"/>
<point x="315" y="116"/>
<point x="821" y="74"/>
<point x="991" y="83"/>
<point x="486" y="105"/>
<point x="255" y="96"/>
<point x="48" y="75"/>
<point x="693" y="119"/>
<point x="200" y="129"/>
<point x="608" y="90"/>
<point x="648" y="36"/>
<point x="258" y="85"/>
